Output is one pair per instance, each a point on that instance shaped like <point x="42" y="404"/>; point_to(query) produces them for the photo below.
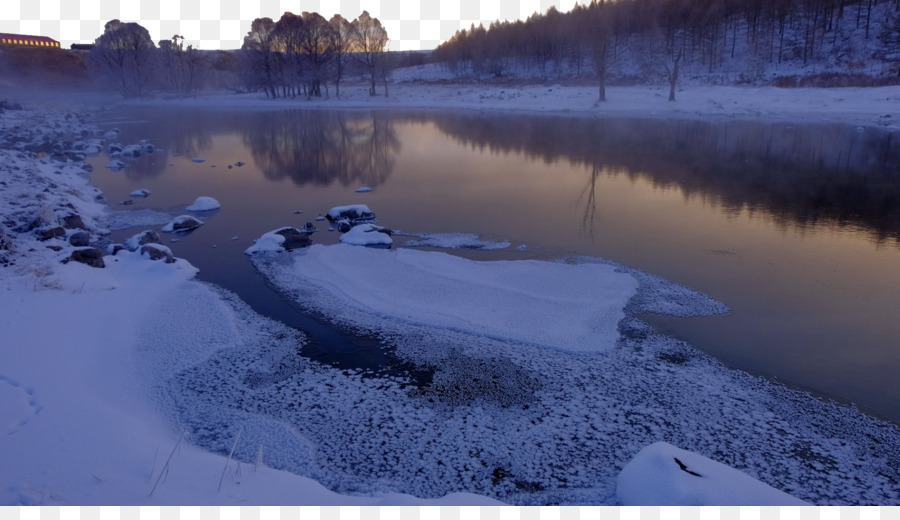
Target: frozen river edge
<point x="809" y="459"/>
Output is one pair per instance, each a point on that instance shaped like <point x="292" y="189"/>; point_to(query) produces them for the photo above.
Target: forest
<point x="727" y="41"/>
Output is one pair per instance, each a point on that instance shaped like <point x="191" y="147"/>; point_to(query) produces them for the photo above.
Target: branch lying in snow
<point x="684" y="468"/>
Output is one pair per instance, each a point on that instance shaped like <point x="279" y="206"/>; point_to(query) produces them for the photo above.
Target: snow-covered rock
<point x="140" y="193"/>
<point x="204" y="204"/>
<point x="368" y="235"/>
<point x="182" y="223"/>
<point x="364" y="189"/>
<point x="145" y="237"/>
<point x="355" y="213"/>
<point x="663" y="475"/>
<point x="131" y="151"/>
<point x="115" y="165"/>
<point x="157" y="252"/>
<point x="282" y="239"/>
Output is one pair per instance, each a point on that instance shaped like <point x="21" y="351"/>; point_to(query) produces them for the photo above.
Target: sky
<point x="223" y="24"/>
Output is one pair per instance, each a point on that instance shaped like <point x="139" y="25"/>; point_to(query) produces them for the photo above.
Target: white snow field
<point x="131" y="383"/>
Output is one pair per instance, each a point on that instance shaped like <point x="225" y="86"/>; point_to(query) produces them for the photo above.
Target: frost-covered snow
<point x="455" y="241"/>
<point x="663" y="475"/>
<point x="204" y="204"/>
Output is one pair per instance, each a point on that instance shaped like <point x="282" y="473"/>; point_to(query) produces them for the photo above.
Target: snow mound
<point x="367" y="235"/>
<point x="204" y="204"/>
<point x="664" y="475"/>
<point x="572" y="307"/>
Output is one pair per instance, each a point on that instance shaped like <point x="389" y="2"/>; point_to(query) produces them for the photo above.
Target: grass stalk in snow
<point x="230" y="454"/>
<point x="165" y="468"/>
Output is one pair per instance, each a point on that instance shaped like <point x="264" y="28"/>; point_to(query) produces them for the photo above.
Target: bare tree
<point x="315" y="43"/>
<point x="124" y="55"/>
<point x="341" y="32"/>
<point x="261" y="62"/>
<point x="182" y="69"/>
<point x="288" y="36"/>
<point x="368" y="42"/>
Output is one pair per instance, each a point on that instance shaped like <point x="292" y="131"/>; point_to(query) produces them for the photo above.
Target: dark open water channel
<point x="795" y="227"/>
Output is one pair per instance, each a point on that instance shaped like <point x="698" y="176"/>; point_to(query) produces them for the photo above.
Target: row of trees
<point x="301" y="54"/>
<point x="638" y="39"/>
<point x="298" y="54"/>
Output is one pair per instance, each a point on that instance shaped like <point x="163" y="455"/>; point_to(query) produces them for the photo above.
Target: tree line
<point x="295" y="55"/>
<point x="633" y="40"/>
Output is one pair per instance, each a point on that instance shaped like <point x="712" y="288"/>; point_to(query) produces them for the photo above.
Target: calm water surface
<point x="795" y="227"/>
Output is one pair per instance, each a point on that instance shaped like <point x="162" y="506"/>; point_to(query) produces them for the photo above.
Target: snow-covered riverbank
<point x="104" y="368"/>
<point x="856" y="106"/>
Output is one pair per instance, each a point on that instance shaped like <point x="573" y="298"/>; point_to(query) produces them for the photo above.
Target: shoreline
<point x="853" y="105"/>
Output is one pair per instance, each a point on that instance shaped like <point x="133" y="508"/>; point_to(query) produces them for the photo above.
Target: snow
<point x="554" y="305"/>
<point x="142" y="192"/>
<point x="367" y="235"/>
<point x="204" y="204"/>
<point x="858" y="106"/>
<point x="663" y="475"/>
<point x="363" y="189"/>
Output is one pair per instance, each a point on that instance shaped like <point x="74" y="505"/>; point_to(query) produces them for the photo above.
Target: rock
<point x="80" y="239"/>
<point x="72" y="221"/>
<point x="309" y="228"/>
<point x="294" y="238"/>
<point x="142" y="192"/>
<point x="47" y="234"/>
<point x="182" y="224"/>
<point x="157" y="252"/>
<point x="89" y="256"/>
<point x="6" y="243"/>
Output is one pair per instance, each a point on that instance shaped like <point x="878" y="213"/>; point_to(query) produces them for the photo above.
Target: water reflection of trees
<point x="173" y="132"/>
<point x="308" y="147"/>
<point x="324" y="147"/>
<point x="799" y="175"/>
